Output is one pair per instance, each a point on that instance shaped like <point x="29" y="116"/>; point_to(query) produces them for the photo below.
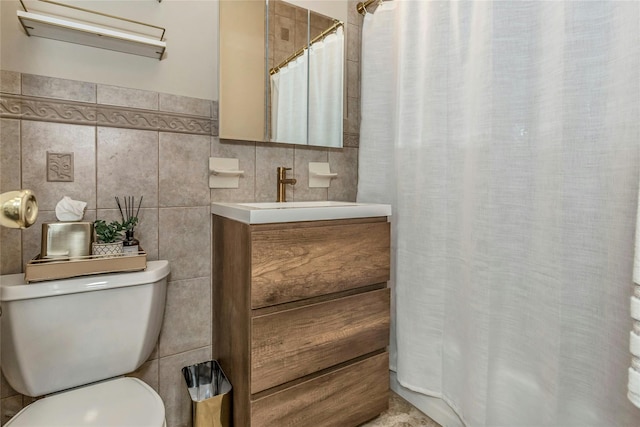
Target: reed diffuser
<point x="130" y="244"/>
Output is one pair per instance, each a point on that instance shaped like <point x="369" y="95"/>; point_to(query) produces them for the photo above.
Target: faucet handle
<point x="282" y="172"/>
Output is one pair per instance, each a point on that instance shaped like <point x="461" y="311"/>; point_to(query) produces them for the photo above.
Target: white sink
<point x="269" y="212"/>
<point x="289" y="205"/>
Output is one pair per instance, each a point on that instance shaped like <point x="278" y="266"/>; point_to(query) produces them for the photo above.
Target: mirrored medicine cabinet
<point x="281" y="72"/>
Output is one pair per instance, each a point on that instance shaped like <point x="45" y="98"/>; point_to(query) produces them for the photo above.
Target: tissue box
<point x="66" y="239"/>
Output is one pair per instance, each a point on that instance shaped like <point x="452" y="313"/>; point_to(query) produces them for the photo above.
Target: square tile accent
<point x="40" y="137"/>
<point x="351" y="140"/>
<point x="59" y="167"/>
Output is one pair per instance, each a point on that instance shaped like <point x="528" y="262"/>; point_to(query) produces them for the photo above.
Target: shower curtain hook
<point x="362" y="8"/>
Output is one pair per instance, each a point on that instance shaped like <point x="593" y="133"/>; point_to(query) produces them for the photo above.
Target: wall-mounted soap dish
<point x="224" y="173"/>
<point x="320" y="175"/>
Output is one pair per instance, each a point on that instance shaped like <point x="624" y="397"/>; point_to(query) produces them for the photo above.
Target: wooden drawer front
<point x="297" y="263"/>
<point x="297" y="342"/>
<point x="344" y="398"/>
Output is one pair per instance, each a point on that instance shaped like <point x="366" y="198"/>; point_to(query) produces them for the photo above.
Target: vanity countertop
<point x="264" y="213"/>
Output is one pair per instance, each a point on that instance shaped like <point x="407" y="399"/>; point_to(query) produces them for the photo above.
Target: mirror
<point x="288" y="69"/>
<point x="241" y="71"/>
<point x="281" y="78"/>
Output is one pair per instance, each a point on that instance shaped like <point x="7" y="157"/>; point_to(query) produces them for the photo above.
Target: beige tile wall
<point x="133" y="142"/>
<point x="168" y="168"/>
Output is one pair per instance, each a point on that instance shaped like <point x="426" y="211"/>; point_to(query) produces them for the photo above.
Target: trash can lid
<point x="123" y="401"/>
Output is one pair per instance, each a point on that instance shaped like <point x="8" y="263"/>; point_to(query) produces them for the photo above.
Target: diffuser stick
<point x="119" y="207"/>
<point x="139" y="204"/>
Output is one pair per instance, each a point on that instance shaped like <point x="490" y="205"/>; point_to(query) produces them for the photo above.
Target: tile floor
<point x="401" y="414"/>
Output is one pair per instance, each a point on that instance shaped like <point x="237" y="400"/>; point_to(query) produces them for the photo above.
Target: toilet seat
<point x="115" y="403"/>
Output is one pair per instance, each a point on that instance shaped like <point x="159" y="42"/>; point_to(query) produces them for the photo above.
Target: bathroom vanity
<point x="301" y="312"/>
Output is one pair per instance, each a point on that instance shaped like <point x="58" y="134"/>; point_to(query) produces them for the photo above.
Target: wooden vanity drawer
<point x="345" y="397"/>
<point x="290" y="344"/>
<point x="289" y="264"/>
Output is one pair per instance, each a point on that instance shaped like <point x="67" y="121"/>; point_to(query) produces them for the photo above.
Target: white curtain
<point x="326" y="69"/>
<point x="289" y="102"/>
<point x="634" y="335"/>
<point x="506" y="135"/>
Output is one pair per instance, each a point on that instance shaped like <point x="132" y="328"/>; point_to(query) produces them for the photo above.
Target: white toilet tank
<point x="66" y="333"/>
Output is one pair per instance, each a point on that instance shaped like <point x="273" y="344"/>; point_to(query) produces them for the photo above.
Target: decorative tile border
<point x="57" y="111"/>
<point x="350" y="139"/>
<point x="81" y="113"/>
<point x="10" y="107"/>
<point x="127" y="118"/>
<point x="184" y="124"/>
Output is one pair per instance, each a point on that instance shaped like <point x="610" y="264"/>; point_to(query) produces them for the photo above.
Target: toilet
<point x="73" y="340"/>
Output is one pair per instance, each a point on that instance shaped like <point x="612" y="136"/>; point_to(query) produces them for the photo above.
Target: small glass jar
<point x="130" y="244"/>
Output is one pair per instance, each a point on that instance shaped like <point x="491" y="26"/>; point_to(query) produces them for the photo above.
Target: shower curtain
<point x="289" y="101"/>
<point x="326" y="70"/>
<point x="317" y="75"/>
<point x="506" y="136"/>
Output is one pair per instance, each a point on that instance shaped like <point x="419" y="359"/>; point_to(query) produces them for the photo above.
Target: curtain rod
<point x="362" y="6"/>
<point x="298" y="52"/>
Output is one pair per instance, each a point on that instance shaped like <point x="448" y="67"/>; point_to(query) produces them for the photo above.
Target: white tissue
<point x="70" y="210"/>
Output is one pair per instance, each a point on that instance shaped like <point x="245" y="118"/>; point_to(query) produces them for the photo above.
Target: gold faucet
<point x="282" y="181"/>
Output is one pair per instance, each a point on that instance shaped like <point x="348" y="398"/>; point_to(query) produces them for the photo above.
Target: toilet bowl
<point x="73" y="340"/>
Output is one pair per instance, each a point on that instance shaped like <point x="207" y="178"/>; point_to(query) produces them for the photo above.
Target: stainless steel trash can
<point x="210" y="392"/>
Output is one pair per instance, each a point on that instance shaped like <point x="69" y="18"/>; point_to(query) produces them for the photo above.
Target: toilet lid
<point x="119" y="402"/>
